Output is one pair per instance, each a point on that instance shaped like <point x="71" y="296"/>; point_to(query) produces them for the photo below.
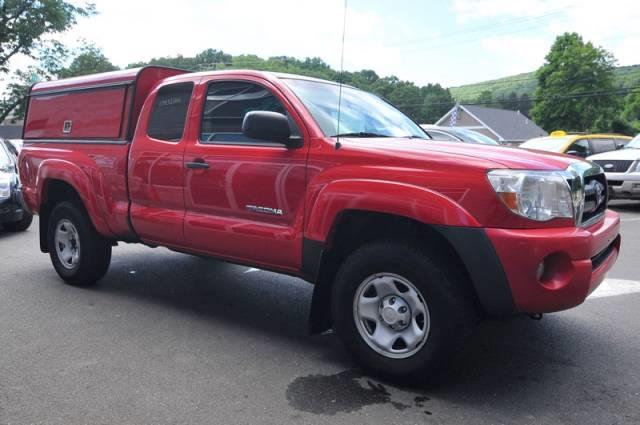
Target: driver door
<point x="244" y="197"/>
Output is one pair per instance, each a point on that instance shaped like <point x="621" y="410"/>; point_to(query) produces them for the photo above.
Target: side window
<point x="603" y="145"/>
<point x="226" y="105"/>
<point x="169" y="112"/>
<point x="581" y="148"/>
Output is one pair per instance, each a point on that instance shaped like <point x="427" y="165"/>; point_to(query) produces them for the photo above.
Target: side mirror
<point x="269" y="126"/>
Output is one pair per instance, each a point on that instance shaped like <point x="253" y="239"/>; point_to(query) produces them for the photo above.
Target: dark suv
<point x="13" y="216"/>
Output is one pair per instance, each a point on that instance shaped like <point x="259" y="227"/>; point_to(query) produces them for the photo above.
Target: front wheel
<point x="79" y="254"/>
<point x="399" y="314"/>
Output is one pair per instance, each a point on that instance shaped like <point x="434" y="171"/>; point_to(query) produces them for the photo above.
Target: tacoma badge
<point x="264" y="210"/>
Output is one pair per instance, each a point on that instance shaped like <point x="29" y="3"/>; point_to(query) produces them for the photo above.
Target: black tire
<point x="20" y="225"/>
<point x="451" y="308"/>
<point x="94" y="253"/>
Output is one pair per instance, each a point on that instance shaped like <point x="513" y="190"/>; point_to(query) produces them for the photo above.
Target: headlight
<point x="635" y="168"/>
<point x="537" y="195"/>
<point x="5" y="186"/>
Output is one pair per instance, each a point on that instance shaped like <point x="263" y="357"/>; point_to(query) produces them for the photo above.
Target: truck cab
<point x="408" y="240"/>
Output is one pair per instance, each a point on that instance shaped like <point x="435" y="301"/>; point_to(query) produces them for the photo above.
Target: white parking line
<point x="625" y="220"/>
<point x="614" y="287"/>
<point x="251" y="270"/>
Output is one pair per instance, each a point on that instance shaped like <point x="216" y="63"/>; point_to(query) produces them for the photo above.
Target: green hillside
<point x="526" y="83"/>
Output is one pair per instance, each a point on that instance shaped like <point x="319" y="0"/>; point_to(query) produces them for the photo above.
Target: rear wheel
<point x="78" y="253"/>
<point x="20" y="225"/>
<point x="401" y="316"/>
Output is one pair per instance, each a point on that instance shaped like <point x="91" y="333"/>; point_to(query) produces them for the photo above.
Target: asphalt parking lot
<point x="168" y="338"/>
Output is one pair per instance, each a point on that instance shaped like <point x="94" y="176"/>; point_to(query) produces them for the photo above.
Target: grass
<point x="526" y="83"/>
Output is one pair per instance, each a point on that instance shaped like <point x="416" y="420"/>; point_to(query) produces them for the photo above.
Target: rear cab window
<point x="169" y="113"/>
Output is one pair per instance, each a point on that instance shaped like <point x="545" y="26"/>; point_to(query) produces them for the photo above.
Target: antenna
<point x="340" y="80"/>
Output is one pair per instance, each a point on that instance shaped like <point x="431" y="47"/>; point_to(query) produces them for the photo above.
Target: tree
<point x="512" y="103"/>
<point x="485" y="98"/>
<point x="631" y="112"/>
<point x="437" y="102"/>
<point x="575" y="87"/>
<point x="89" y="60"/>
<point x="23" y="23"/>
<point x="525" y="104"/>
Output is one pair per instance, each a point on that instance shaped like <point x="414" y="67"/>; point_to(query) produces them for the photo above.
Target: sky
<point x="451" y="42"/>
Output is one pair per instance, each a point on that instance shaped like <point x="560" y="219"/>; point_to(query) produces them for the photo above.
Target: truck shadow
<point x="6" y="235"/>
<point x="224" y="293"/>
<point x="505" y="362"/>
<point x="625" y="206"/>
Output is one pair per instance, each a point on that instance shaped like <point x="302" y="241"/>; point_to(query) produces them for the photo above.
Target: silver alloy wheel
<point x="391" y="315"/>
<point x="67" y="243"/>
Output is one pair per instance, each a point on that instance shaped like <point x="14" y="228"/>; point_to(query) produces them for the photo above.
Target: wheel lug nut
<point x="402" y="309"/>
<point x="392" y="301"/>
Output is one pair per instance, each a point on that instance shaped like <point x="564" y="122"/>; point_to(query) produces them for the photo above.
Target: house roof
<point x="10" y="131"/>
<point x="510" y="125"/>
<point x="506" y="125"/>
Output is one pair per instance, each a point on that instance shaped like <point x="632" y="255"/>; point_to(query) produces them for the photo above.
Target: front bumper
<point x="623" y="185"/>
<point x="556" y="269"/>
<point x="11" y="210"/>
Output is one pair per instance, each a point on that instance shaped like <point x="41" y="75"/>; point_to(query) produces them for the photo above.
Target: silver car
<point x="622" y="168"/>
<point x="457" y="134"/>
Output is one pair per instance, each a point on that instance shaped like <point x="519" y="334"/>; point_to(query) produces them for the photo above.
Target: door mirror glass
<point x="269" y="126"/>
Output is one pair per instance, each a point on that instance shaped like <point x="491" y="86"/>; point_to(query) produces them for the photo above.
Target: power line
<point x="618" y="92"/>
<point x="480" y="28"/>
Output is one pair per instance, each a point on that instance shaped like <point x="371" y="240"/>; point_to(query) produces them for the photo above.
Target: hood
<point x="626" y="153"/>
<point x="483" y="155"/>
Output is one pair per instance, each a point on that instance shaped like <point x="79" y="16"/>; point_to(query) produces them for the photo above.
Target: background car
<point x="457" y="134"/>
<point x="13" y="216"/>
<point x="622" y="169"/>
<point x="14" y="146"/>
<point x="582" y="145"/>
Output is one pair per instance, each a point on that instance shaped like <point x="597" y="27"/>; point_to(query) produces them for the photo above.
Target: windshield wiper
<point x="360" y="134"/>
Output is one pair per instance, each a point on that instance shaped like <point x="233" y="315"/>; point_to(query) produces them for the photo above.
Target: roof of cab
<point x="254" y="73"/>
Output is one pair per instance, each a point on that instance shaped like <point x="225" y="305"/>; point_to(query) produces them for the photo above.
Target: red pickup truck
<point x="408" y="241"/>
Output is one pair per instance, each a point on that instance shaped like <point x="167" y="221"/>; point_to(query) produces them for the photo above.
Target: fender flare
<point x="410" y="201"/>
<point x="80" y="181"/>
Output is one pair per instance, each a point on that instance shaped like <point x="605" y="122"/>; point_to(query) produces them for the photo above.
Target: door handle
<point x="197" y="163"/>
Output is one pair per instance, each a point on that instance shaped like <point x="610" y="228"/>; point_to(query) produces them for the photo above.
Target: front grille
<point x="615" y="182"/>
<point x="614" y="165"/>
<point x="596" y="196"/>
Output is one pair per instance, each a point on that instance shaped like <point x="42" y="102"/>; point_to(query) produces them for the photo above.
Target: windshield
<point x="553" y="144"/>
<point x="362" y="114"/>
<point x="634" y="144"/>
<point x="473" y="136"/>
